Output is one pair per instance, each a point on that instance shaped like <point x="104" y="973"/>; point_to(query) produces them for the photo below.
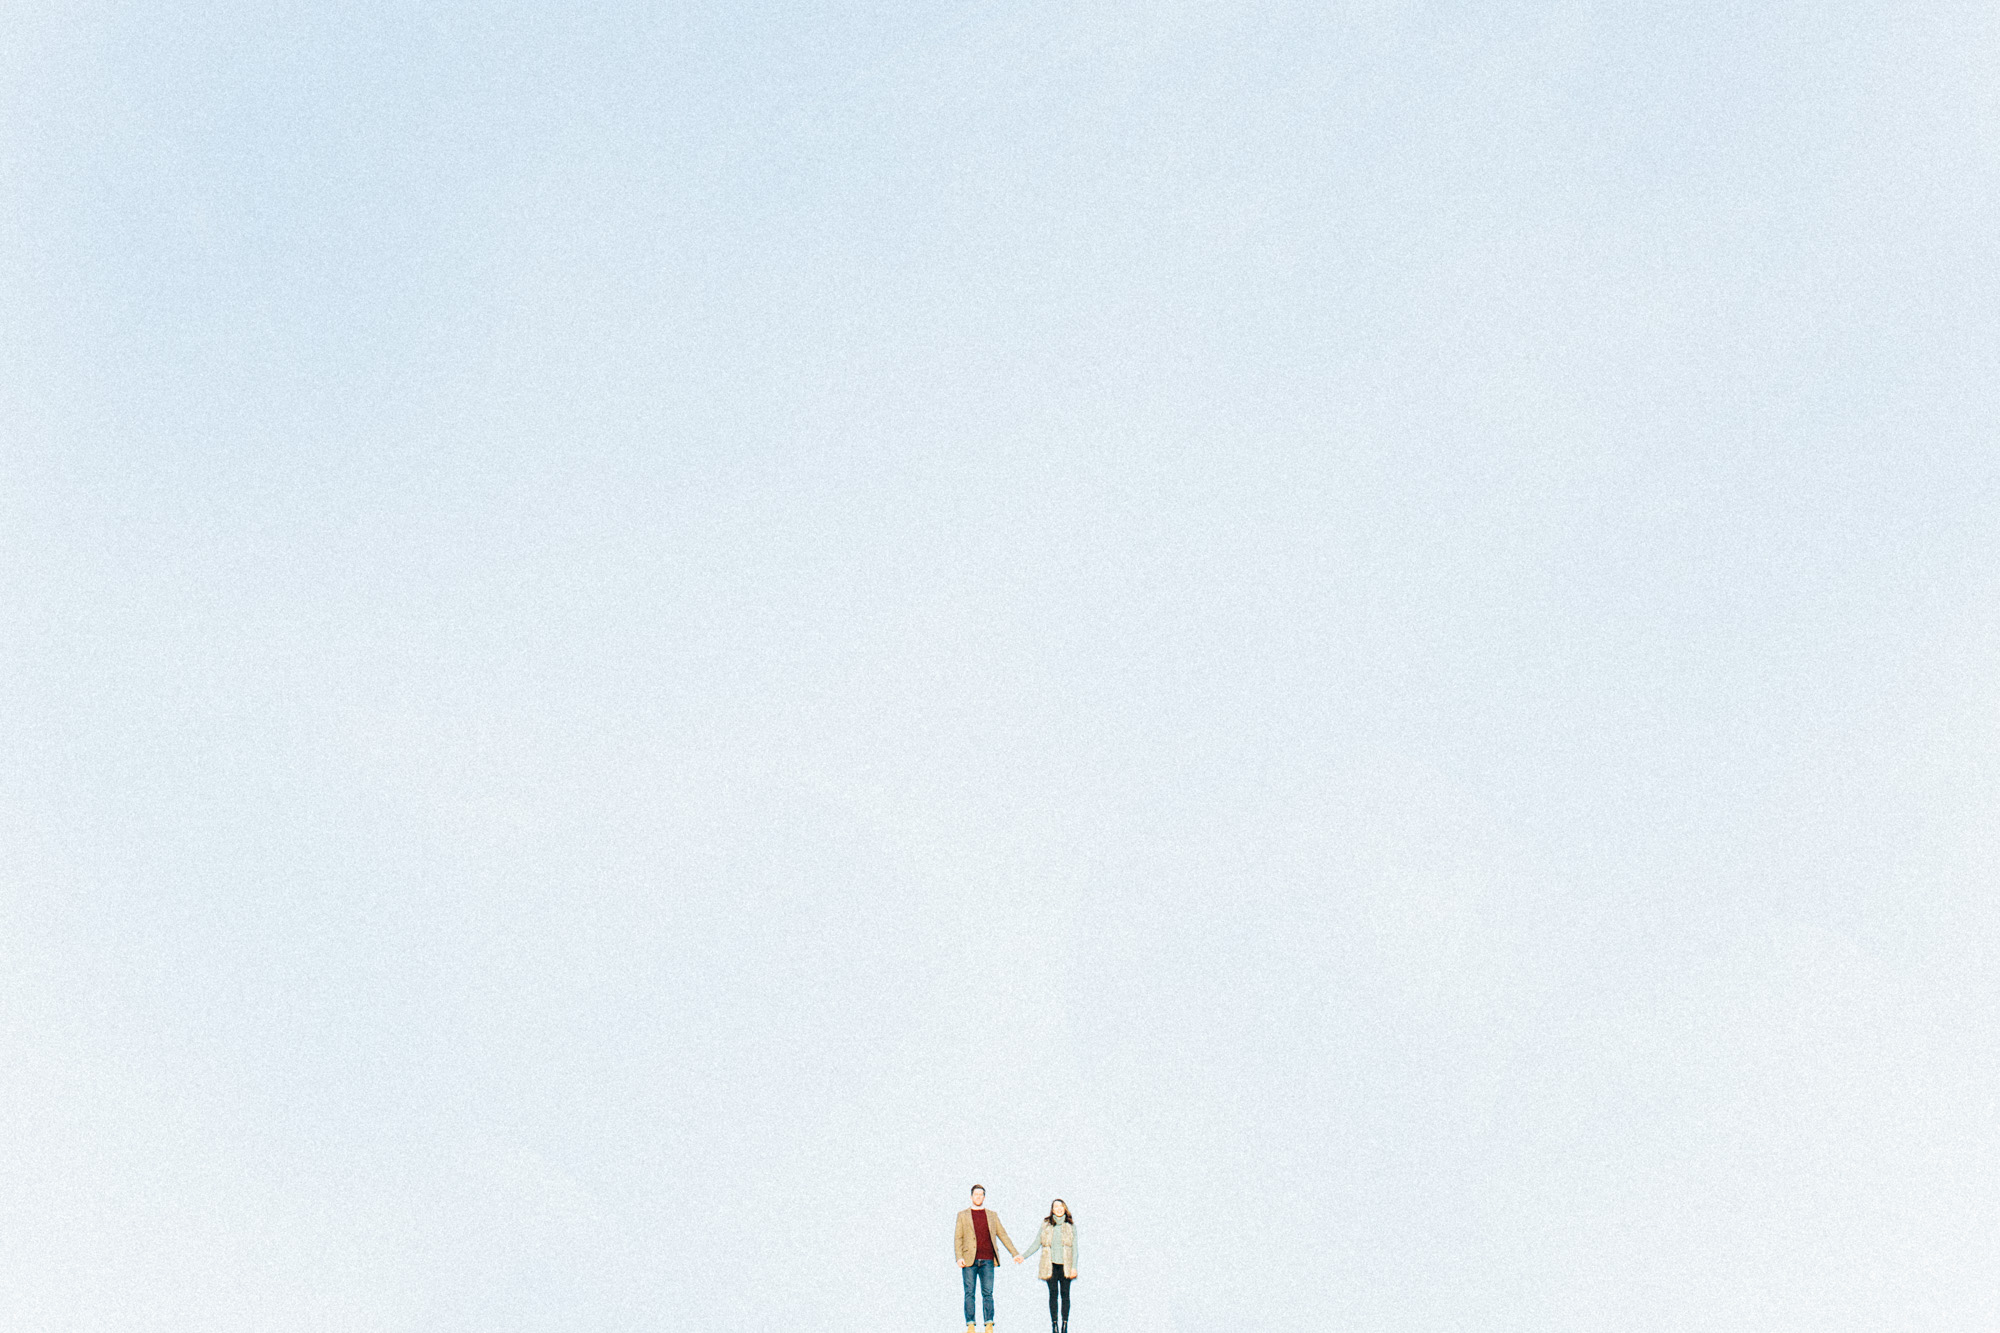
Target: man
<point x="972" y="1240"/>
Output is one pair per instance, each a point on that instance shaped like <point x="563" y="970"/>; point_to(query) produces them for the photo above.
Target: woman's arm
<point x="1038" y="1241"/>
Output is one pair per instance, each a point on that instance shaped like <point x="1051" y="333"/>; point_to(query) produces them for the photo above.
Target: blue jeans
<point x="982" y="1270"/>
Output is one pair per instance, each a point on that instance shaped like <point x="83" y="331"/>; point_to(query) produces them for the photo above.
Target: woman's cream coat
<point x="1056" y="1248"/>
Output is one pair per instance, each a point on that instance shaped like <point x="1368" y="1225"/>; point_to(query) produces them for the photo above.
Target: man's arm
<point x="1000" y="1232"/>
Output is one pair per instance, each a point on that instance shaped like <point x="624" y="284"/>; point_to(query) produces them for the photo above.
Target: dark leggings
<point x="1058" y="1281"/>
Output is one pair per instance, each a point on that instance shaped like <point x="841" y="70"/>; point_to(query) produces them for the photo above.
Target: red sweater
<point x="984" y="1237"/>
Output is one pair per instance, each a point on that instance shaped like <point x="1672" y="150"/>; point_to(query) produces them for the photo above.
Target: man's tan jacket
<point x="966" y="1241"/>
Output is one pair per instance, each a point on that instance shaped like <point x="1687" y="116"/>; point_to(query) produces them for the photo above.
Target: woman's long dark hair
<point x="1068" y="1216"/>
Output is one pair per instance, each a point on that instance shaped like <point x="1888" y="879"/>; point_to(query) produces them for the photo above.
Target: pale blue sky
<point x="642" y="640"/>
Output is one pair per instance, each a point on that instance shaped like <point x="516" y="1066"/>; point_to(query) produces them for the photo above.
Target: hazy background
<point x="639" y="640"/>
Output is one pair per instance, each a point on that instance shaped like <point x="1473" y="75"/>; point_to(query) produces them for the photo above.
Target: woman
<point x="1058" y="1246"/>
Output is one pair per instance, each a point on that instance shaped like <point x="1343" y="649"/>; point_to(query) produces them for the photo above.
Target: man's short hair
<point x="979" y="1189"/>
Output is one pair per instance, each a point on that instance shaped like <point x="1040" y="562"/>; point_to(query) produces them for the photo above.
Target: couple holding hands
<point x="973" y="1240"/>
